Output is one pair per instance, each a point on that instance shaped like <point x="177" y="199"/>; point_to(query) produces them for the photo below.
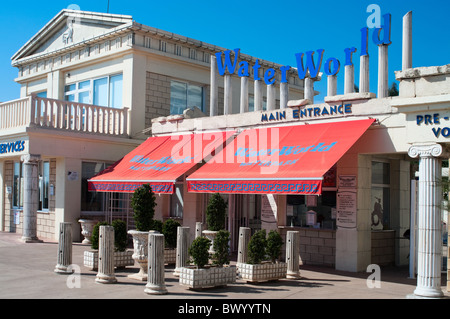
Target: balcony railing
<point x="65" y="115"/>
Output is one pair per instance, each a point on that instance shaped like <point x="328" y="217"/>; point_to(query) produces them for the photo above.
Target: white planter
<point x="170" y="256"/>
<point x="121" y="259"/>
<point x="87" y="226"/>
<point x="140" y="253"/>
<point x="207" y="277"/>
<point x="262" y="272"/>
<point x="211" y="235"/>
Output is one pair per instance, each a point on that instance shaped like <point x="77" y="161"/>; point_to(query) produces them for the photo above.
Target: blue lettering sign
<point x="12" y="147"/>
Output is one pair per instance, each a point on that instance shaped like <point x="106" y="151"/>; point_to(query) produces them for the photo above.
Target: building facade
<point x="91" y="84"/>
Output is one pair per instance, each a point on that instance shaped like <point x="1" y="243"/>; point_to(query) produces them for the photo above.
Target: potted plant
<point x="122" y="256"/>
<point x="169" y="230"/>
<point x="204" y="275"/>
<point x="143" y="202"/>
<point x="263" y="254"/>
<point x="216" y="212"/>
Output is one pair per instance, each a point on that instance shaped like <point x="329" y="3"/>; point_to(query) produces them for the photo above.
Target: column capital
<point x="30" y="158"/>
<point x="431" y="150"/>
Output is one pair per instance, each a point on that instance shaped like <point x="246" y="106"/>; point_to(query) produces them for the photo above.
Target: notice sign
<point x="346" y="209"/>
<point x="268" y="212"/>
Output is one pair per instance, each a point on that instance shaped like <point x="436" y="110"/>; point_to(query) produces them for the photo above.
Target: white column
<point x="309" y="89"/>
<point x="244" y="95"/>
<point x="364" y="82"/>
<point x="407" y="41"/>
<point x="198" y="229"/>
<point x="106" y="260"/>
<point x="331" y="85"/>
<point x="30" y="197"/>
<point x="271" y="104"/>
<point x="228" y="95"/>
<point x="349" y="80"/>
<point x="182" y="249"/>
<point x="244" y="239"/>
<point x="64" y="258"/>
<point x="293" y="254"/>
<point x="383" y="75"/>
<point x="258" y="95"/>
<point x="155" y="280"/>
<point x="214" y="95"/>
<point x="429" y="226"/>
<point x="284" y="95"/>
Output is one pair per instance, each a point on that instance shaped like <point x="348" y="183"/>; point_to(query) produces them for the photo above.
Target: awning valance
<point x="159" y="161"/>
<point x="278" y="160"/>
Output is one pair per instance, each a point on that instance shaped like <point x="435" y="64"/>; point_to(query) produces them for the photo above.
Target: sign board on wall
<point x="346" y="208"/>
<point x="268" y="212"/>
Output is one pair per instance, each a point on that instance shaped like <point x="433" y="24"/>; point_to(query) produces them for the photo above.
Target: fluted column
<point x="244" y="238"/>
<point x="182" y="249"/>
<point x="429" y="226"/>
<point x="155" y="279"/>
<point x="293" y="254"/>
<point x="284" y="94"/>
<point x="331" y="85"/>
<point x="30" y="197"/>
<point x="309" y="89"/>
<point x="258" y="98"/>
<point x="244" y="95"/>
<point x="106" y="261"/>
<point x="271" y="97"/>
<point x="198" y="229"/>
<point x="228" y="95"/>
<point x="407" y="41"/>
<point x="214" y="95"/>
<point x="383" y="74"/>
<point x="64" y="249"/>
<point x="364" y="78"/>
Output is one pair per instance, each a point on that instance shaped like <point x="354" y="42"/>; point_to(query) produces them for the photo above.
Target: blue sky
<point x="270" y="30"/>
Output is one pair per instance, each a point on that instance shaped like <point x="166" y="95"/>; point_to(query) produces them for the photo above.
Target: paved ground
<point x="27" y="272"/>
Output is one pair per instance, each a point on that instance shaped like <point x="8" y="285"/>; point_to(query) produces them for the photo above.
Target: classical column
<point x="349" y="79"/>
<point x="214" y="95"/>
<point x="284" y="94"/>
<point x="309" y="89"/>
<point x="30" y="197"/>
<point x="292" y="254"/>
<point x="64" y="249"/>
<point x="155" y="280"/>
<point x="244" y="238"/>
<point x="106" y="261"/>
<point x="182" y="249"/>
<point x="429" y="226"/>
<point x="383" y="74"/>
<point x="407" y="41"/>
<point x="331" y="85"/>
<point x="228" y="95"/>
<point x="271" y="104"/>
<point x="198" y="229"/>
<point x="258" y="95"/>
<point x="364" y="78"/>
<point x="244" y="94"/>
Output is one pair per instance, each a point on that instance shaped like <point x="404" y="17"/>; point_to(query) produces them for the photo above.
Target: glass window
<point x="380" y="196"/>
<point x="44" y="183"/>
<point x="324" y="205"/>
<point x="184" y="95"/>
<point x="115" y="91"/>
<point x="18" y="185"/>
<point x="101" y="92"/>
<point x="91" y="201"/>
<point x="251" y="104"/>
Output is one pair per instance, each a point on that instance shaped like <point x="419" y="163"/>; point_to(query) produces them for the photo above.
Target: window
<point x="324" y="205"/>
<point x="380" y="196"/>
<point x="184" y="95"/>
<point x="91" y="201"/>
<point x="251" y="104"/>
<point x="44" y="185"/>
<point x="18" y="185"/>
<point x="176" y="204"/>
<point x="105" y="91"/>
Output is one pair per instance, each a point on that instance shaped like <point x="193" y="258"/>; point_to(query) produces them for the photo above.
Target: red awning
<point x="278" y="160"/>
<point x="159" y="161"/>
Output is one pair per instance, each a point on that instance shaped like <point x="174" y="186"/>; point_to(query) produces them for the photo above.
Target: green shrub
<point x="120" y="235"/>
<point x="257" y="247"/>
<point x="221" y="254"/>
<point x="157" y="225"/>
<point x="274" y="244"/>
<point x="96" y="234"/>
<point x="169" y="230"/>
<point x="199" y="251"/>
<point x="143" y="203"/>
<point x="216" y="211"/>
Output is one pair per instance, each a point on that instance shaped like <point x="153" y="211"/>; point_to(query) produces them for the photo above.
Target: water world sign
<point x="380" y="36"/>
